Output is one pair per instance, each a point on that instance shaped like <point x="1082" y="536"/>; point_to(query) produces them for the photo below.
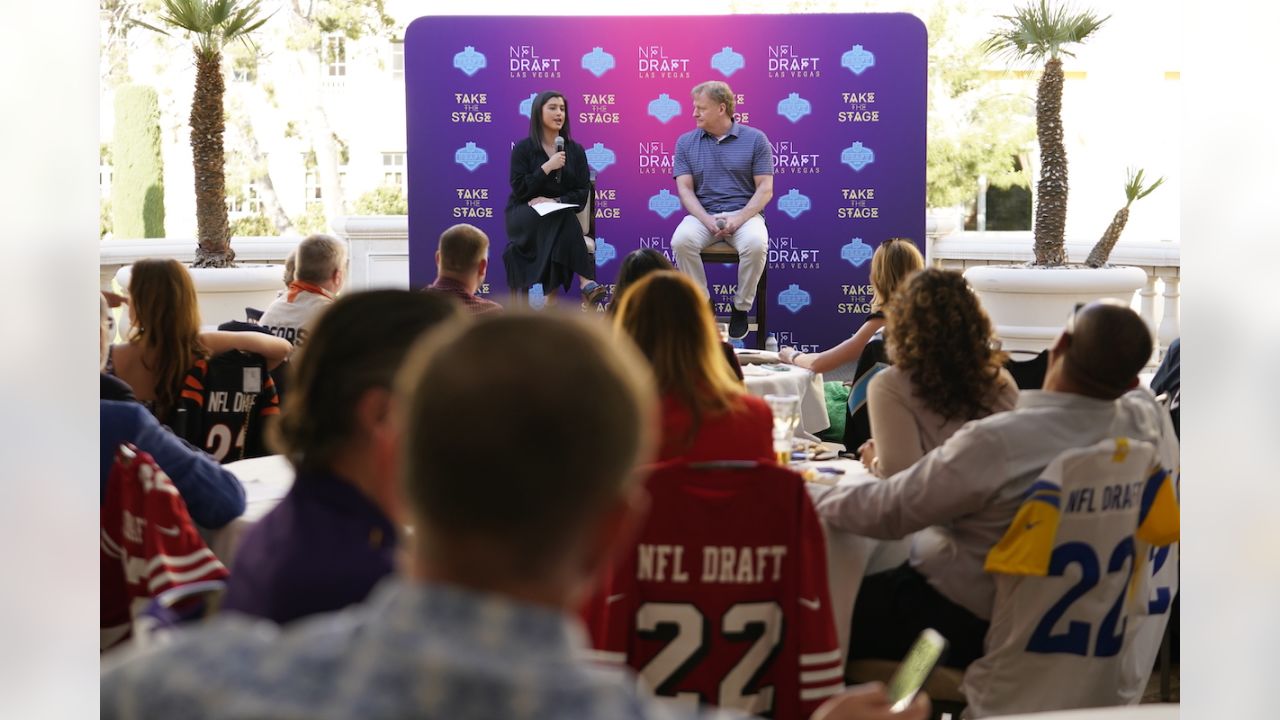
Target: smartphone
<point x="915" y="668"/>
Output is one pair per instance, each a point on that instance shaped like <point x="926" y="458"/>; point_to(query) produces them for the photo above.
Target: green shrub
<point x="312" y="221"/>
<point x="253" y="226"/>
<point x="385" y="200"/>
<point x="137" y="186"/>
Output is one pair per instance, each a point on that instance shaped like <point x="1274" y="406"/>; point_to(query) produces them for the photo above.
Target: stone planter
<point x="224" y="293"/>
<point x="1029" y="306"/>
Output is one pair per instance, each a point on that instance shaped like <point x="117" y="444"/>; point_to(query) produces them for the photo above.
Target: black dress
<point x="546" y="249"/>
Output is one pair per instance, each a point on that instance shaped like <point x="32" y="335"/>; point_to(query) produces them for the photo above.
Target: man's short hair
<point x="718" y="92"/>
<point x="462" y="247"/>
<point x="576" y="413"/>
<point x="317" y="257"/>
<point x="1110" y="344"/>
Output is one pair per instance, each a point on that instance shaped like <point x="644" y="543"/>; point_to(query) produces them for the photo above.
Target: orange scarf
<point x="298" y="286"/>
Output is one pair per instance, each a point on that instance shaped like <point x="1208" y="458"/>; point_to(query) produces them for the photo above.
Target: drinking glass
<point x="786" y="416"/>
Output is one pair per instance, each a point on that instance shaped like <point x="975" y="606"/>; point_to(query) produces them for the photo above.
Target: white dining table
<point x="779" y="379"/>
<point x="266" y="481"/>
<point x="850" y="557"/>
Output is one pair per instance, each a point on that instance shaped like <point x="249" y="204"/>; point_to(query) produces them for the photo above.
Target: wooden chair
<point x="723" y="253"/>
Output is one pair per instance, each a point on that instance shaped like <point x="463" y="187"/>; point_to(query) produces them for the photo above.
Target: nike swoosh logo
<point x="170" y="531"/>
<point x="813" y="604"/>
<point x="614" y="598"/>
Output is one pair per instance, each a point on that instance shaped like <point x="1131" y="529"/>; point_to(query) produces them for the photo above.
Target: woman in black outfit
<point x="548" y="249"/>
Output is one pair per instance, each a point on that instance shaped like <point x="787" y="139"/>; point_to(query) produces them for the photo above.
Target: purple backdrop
<point x="841" y="97"/>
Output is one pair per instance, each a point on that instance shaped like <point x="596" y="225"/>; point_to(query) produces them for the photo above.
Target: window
<point x="393" y="169"/>
<point x="397" y="59"/>
<point x="312" y="187"/>
<point x="335" y="55"/>
<point x="246" y="203"/>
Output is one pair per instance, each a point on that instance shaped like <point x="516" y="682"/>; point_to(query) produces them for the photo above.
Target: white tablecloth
<point x="852" y="557"/>
<point x="266" y="480"/>
<point x="791" y="380"/>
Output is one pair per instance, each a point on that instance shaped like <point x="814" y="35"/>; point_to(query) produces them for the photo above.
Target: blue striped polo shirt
<point x="724" y="171"/>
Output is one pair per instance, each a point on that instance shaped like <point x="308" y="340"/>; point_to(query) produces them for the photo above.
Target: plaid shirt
<point x="412" y="651"/>
<point x="473" y="303"/>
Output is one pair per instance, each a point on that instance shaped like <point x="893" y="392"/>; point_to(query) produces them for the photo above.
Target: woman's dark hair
<point x="358" y="344"/>
<point x="636" y="265"/>
<point x="535" y="116"/>
<point x="166" y="326"/>
<point x="937" y="332"/>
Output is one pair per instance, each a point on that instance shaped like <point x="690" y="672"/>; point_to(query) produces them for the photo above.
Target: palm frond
<point x="1039" y="31"/>
<point x="1134" y="189"/>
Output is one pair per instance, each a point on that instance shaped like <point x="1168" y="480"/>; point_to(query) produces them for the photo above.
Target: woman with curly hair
<point x="893" y="262"/>
<point x="946" y="371"/>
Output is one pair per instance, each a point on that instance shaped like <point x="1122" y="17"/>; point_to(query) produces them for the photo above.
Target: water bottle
<point x="771" y="343"/>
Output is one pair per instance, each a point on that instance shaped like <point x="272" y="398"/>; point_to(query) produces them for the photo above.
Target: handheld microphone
<point x="559" y="148"/>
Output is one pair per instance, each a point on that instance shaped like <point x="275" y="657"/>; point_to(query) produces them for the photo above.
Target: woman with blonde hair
<point x="946" y="371"/>
<point x="165" y="339"/>
<point x="706" y="412"/>
<point x="893" y="262"/>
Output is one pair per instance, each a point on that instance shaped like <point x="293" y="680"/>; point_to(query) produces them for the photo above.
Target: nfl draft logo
<point x="856" y="252"/>
<point x="469" y="61"/>
<point x="664" y="203"/>
<point x="600" y="157"/>
<point x="470" y="156"/>
<point x="604" y="252"/>
<point x="664" y="108"/>
<point x="793" y="107"/>
<point x="598" y="62"/>
<point x="858" y="59"/>
<point x="857" y="156"/>
<point x="727" y="61"/>
<point x="526" y="105"/>
<point x="793" y="203"/>
<point x="794" y="298"/>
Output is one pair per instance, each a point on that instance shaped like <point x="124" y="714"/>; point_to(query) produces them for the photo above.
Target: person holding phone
<point x="548" y="166"/>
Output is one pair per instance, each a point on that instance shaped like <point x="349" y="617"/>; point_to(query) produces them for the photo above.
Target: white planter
<point x="224" y="293"/>
<point x="1030" y="306"/>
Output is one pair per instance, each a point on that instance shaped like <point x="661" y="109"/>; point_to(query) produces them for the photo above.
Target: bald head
<point x="1106" y="347"/>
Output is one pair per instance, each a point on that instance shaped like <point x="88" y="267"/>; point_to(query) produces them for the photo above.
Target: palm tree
<point x="1134" y="189"/>
<point x="212" y="24"/>
<point x="1038" y="32"/>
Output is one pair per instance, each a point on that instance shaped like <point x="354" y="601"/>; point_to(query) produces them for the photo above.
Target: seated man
<point x="461" y="262"/>
<point x="960" y="498"/>
<point x="320" y="269"/>
<point x="334" y="536"/>
<point x="506" y="546"/>
<point x="724" y="174"/>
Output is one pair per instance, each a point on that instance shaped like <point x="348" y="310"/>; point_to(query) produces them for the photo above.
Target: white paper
<point x="547" y="208"/>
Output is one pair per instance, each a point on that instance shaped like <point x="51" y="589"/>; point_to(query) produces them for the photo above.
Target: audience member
<point x="960" y="498"/>
<point x="334" y="536"/>
<point x="462" y="259"/>
<point x="706" y="414"/>
<point x="482" y="626"/>
<point x="110" y="387"/>
<point x="946" y="371"/>
<point x="320" y="269"/>
<point x="165" y="340"/>
<point x="1168" y="382"/>
<point x="891" y="264"/>
<point x="639" y="263"/>
<point x="214" y="497"/>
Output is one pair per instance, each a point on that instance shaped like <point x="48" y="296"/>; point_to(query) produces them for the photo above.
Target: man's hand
<point x="539" y="200"/>
<point x="867" y="453"/>
<point x="731" y="224"/>
<point x="869" y="702"/>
